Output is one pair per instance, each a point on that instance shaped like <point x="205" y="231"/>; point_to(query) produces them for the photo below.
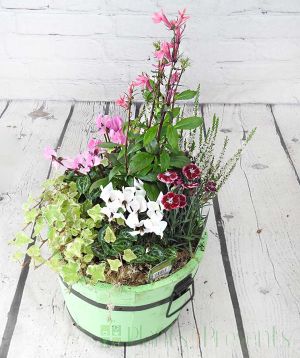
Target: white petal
<point x="129" y="193"/>
<point x="132" y="221"/>
<point x="105" y="192"/>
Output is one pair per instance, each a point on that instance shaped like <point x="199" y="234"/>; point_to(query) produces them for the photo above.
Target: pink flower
<point x="143" y="80"/>
<point x="115" y="123"/>
<point x="181" y="20"/>
<point x="122" y="102"/>
<point x="164" y="52"/>
<point x="182" y="201"/>
<point x="49" y="153"/>
<point x="210" y="186"/>
<point x="178" y="181"/>
<point x="175" y="77"/>
<point x="93" y="145"/>
<point x="170" y="201"/>
<point x="130" y="89"/>
<point x="191" y="171"/>
<point x="161" y="17"/>
<point x="190" y="185"/>
<point x="117" y="137"/>
<point x="168" y="177"/>
<point x="171" y="24"/>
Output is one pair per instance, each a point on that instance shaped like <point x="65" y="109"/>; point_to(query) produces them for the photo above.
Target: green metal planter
<point x="132" y="314"/>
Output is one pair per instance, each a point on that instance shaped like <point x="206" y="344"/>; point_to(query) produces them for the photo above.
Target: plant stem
<point x="126" y="143"/>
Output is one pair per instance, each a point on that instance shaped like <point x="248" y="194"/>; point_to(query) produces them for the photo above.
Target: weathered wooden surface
<point x="243" y="51"/>
<point x="247" y="287"/>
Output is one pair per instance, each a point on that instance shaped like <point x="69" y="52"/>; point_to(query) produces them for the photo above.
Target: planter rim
<point x="177" y="275"/>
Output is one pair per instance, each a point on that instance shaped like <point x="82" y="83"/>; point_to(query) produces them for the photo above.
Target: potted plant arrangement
<point x="123" y="225"/>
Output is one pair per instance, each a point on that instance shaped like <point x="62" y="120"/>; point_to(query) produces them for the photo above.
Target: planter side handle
<point x="187" y="284"/>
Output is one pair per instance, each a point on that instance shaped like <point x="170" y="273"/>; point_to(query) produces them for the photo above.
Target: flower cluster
<point x="130" y="204"/>
<point x="112" y="128"/>
<point x="82" y="162"/>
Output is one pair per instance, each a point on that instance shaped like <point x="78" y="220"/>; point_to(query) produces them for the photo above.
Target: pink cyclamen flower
<point x="49" y="153"/>
<point x="117" y="137"/>
<point x="191" y="171"/>
<point x="168" y="177"/>
<point x="93" y="145"/>
<point x="104" y="123"/>
<point x="143" y="80"/>
<point x="122" y="102"/>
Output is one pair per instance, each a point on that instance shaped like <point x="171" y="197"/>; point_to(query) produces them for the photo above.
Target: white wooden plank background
<point x="252" y="294"/>
<point x="25" y="129"/>
<point x="241" y="51"/>
<point x="263" y="194"/>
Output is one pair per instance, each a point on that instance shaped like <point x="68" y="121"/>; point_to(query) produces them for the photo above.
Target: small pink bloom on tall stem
<point x="182" y="18"/>
<point x="161" y="17"/>
<point x="164" y="52"/>
<point x="122" y="102"/>
<point x="143" y="80"/>
<point x="175" y="77"/>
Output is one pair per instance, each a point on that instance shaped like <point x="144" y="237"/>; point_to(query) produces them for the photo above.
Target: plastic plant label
<point x="161" y="270"/>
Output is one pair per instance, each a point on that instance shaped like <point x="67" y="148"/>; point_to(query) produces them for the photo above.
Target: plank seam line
<point x="13" y="313"/>
<point x="5" y="108"/>
<point x="180" y="339"/>
<point x="229" y="278"/>
<point x="283" y="144"/>
<point x="227" y="267"/>
<point x="197" y="329"/>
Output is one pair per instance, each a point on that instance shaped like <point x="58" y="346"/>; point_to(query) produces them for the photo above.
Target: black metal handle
<point x="180" y="289"/>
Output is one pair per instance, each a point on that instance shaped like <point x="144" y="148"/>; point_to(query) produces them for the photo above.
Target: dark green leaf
<point x="134" y="148"/>
<point x="152" y="147"/>
<point x="172" y="137"/>
<point x="98" y="183"/>
<point x="185" y="95"/>
<point x="113" y="172"/>
<point x="121" y="153"/>
<point x="83" y="183"/>
<point x="189" y="123"/>
<point x="140" y="161"/>
<point x="164" y="160"/>
<point x="151" y="190"/>
<point x="175" y="111"/>
<point x="150" y="135"/>
<point x="179" y="161"/>
<point x="151" y="177"/>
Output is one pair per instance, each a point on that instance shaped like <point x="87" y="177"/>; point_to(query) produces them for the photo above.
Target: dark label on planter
<point x="161" y="270"/>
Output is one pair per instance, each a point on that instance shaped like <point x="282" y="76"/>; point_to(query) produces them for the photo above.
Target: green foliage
<point x="189" y="123"/>
<point x="95" y="213"/>
<point x="185" y="95"/>
<point x="172" y="137"/>
<point x="114" y="264"/>
<point x="83" y="184"/>
<point x="140" y="161"/>
<point x="96" y="272"/>
<point x="129" y="255"/>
